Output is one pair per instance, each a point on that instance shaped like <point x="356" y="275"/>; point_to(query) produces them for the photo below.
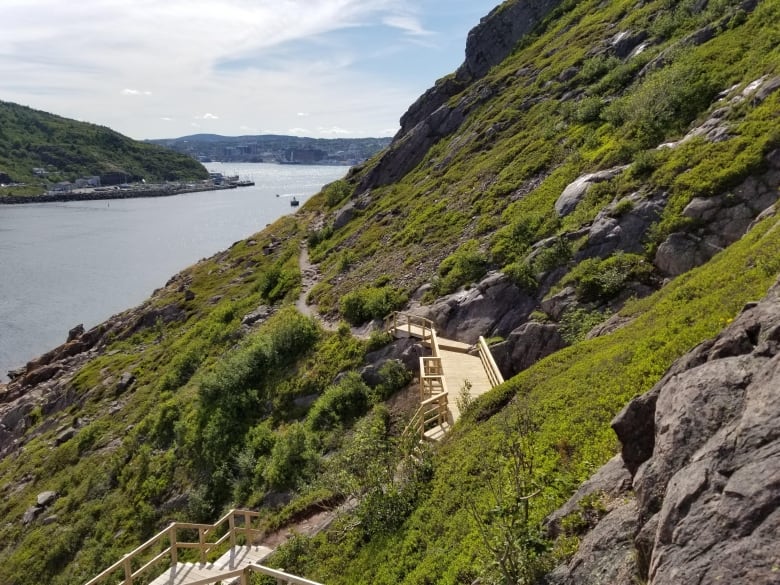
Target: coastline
<point x="105" y="195"/>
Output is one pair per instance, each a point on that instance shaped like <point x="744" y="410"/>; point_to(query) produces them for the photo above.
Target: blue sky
<point x="167" y="68"/>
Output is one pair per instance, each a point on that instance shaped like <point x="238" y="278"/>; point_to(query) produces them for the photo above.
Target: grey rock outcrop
<point x="708" y="478"/>
<point x="703" y="451"/>
<point x="606" y="555"/>
<point x="46" y="498"/>
<point x="525" y="346"/>
<point x="496" y="35"/>
<point x="722" y="220"/>
<point x="430" y="118"/>
<point x="577" y="189"/>
<point x="612" y="231"/>
<point x="407" y="350"/>
<point x="495" y="306"/>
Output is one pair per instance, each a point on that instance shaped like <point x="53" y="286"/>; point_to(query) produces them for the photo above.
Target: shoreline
<point x="107" y="195"/>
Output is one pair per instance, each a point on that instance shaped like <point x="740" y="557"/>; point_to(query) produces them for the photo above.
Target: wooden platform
<point x="458" y="368"/>
<point x="235" y="560"/>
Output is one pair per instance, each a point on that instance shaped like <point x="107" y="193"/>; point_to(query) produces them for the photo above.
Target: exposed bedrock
<point x="703" y="450"/>
<point x="431" y="117"/>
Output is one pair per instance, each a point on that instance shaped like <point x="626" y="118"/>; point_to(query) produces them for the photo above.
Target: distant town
<point x="276" y="149"/>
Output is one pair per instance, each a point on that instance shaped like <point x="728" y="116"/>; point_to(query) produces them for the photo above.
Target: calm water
<point x="62" y="264"/>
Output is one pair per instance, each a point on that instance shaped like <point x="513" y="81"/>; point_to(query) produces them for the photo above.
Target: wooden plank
<point x="241" y="556"/>
<point x="226" y="566"/>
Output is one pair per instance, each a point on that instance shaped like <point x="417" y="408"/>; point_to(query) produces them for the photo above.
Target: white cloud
<point x="263" y="63"/>
<point x="127" y="91"/>
<point x="333" y="130"/>
<point x="302" y="131"/>
<point x="408" y="24"/>
<point x="166" y="119"/>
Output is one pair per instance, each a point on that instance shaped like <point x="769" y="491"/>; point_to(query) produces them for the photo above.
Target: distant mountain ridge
<point x="275" y="148"/>
<point x="38" y="148"/>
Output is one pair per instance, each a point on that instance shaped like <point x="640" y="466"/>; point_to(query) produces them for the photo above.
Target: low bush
<point x="466" y="265"/>
<point x="340" y="404"/>
<point x="293" y="459"/>
<point x="602" y="280"/>
<point x="369" y="303"/>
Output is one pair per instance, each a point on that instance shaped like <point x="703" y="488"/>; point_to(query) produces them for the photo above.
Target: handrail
<point x="491" y="369"/>
<point x="280" y="575"/>
<point x="205" y="547"/>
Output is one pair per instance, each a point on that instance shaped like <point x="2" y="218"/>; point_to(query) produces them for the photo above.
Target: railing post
<point x="128" y="570"/>
<point x="202" y="542"/>
<point x="232" y="528"/>
<point x="174" y="547"/>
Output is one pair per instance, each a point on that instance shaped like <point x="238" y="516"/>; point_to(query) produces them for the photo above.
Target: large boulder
<point x="704" y="447"/>
<point x="577" y="189"/>
<point x="525" y="346"/>
<point x="613" y="230"/>
<point x="494" y="307"/>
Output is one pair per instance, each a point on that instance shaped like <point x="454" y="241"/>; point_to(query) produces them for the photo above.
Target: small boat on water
<point x="294" y="202"/>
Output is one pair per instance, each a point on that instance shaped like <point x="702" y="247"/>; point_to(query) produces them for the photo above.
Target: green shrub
<point x="316" y="237"/>
<point x="336" y="192"/>
<point x="340" y="404"/>
<point x="513" y="241"/>
<point x="466" y="265"/>
<point x="665" y="103"/>
<point x="602" y="280"/>
<point x="575" y="323"/>
<point x="292" y="459"/>
<point x="522" y="274"/>
<point x="551" y="257"/>
<point x="369" y="303"/>
<point x="394" y="376"/>
<point x="378" y="339"/>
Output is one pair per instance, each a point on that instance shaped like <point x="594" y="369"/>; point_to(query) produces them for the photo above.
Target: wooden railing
<point x="205" y="545"/>
<point x="431" y="366"/>
<point x="491" y="369"/>
<point x="281" y="577"/>
<point x="432" y="412"/>
<point x="398" y="321"/>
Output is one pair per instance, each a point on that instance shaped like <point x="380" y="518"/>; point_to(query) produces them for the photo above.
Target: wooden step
<point x="437" y="433"/>
<point x="229" y="564"/>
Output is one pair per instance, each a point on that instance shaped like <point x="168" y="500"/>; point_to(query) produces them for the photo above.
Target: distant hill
<point x="275" y="148"/>
<point x="64" y="150"/>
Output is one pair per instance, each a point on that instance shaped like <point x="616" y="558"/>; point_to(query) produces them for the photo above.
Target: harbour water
<point x="62" y="264"/>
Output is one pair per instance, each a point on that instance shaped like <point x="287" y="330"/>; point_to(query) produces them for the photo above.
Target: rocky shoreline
<point x="105" y="195"/>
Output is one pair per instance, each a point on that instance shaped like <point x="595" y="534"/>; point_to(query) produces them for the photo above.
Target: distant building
<point x="302" y="156"/>
<point x="5" y="179"/>
<point x="39" y="172"/>
<point x="63" y="187"/>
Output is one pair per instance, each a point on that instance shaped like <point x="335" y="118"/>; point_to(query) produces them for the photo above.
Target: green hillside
<point x="67" y="150"/>
<point x="217" y="392"/>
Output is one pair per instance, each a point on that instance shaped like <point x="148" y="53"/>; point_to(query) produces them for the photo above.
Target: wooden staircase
<point x="229" y="541"/>
<point x="439" y="408"/>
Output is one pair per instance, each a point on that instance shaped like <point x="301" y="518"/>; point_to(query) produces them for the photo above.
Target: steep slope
<point x="597" y="185"/>
<point x="67" y="150"/>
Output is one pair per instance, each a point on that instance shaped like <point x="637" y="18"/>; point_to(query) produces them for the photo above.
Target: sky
<point x="170" y="68"/>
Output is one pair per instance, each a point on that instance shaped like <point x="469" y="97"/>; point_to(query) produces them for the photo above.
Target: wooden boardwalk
<point x="232" y="568"/>
<point x="234" y="560"/>
<point x="444" y="377"/>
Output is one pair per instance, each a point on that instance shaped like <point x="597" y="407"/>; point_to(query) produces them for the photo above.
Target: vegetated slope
<point x="215" y="393"/>
<point x="67" y="149"/>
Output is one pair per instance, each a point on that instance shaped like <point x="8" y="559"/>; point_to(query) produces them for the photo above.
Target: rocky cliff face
<point x="701" y="452"/>
<point x="431" y="117"/>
